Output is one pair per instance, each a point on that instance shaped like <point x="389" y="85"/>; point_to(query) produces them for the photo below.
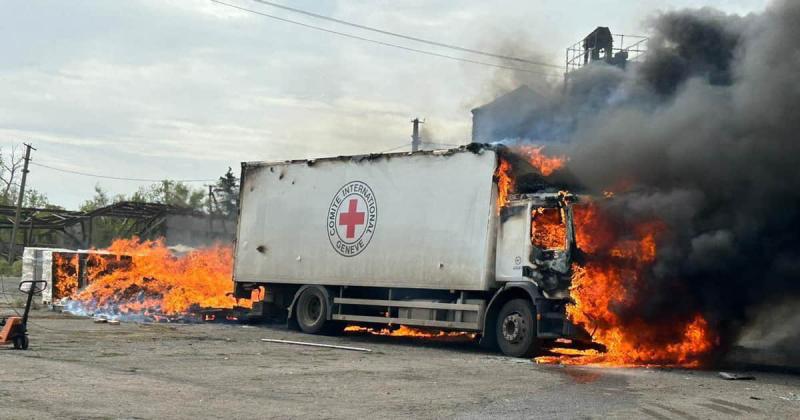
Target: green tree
<point x="172" y="193"/>
<point x="226" y="193"/>
<point x="104" y="229"/>
<point x="38" y="200"/>
<point x="100" y="199"/>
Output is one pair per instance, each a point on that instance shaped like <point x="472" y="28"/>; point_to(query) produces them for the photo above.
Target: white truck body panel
<point x="513" y="245"/>
<point x="423" y="220"/>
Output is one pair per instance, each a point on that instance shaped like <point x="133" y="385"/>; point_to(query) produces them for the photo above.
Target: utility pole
<point x="17" y="216"/>
<point x="211" y="199"/>
<point x="415" y="140"/>
<point x="210" y="210"/>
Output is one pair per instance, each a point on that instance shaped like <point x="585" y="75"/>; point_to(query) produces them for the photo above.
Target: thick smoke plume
<point x="702" y="135"/>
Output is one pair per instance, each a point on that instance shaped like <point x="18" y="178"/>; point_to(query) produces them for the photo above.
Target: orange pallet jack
<point x="15" y="328"/>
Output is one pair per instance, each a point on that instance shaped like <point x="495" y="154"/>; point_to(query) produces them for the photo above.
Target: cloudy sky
<point x="182" y="89"/>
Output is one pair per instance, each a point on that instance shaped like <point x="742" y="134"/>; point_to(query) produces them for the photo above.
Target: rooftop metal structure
<point x="602" y="45"/>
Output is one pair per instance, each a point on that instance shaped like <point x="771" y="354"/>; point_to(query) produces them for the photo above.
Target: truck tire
<point x="312" y="310"/>
<point x="516" y="329"/>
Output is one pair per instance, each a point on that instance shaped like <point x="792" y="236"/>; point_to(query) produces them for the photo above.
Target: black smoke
<point x="703" y="134"/>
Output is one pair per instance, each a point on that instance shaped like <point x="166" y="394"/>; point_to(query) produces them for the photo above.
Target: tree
<point x="104" y="229"/>
<point x="226" y="193"/>
<point x="172" y="193"/>
<point x="101" y="199"/>
<point x="34" y="198"/>
<point x="10" y="167"/>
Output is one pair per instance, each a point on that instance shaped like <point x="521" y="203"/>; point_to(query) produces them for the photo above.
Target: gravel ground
<point x="77" y="369"/>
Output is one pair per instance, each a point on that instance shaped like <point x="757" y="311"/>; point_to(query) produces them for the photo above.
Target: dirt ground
<point x="77" y="369"/>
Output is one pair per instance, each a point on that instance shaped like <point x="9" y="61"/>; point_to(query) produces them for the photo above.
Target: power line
<point x="409" y="37"/>
<point x="386" y="44"/>
<point x="117" y="177"/>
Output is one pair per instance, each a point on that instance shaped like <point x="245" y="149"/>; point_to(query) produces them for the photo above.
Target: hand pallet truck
<point x="15" y="328"/>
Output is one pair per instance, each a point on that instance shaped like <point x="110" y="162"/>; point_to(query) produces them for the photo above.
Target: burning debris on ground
<point x="145" y="281"/>
<point x="405" y="331"/>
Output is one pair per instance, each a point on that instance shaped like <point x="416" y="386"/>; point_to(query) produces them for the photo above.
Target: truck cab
<point x="536" y="242"/>
<point x="533" y="266"/>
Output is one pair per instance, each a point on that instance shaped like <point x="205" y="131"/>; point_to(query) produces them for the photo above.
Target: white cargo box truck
<point x="406" y="238"/>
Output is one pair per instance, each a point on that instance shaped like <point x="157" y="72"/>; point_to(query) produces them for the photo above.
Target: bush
<point x="10" y="269"/>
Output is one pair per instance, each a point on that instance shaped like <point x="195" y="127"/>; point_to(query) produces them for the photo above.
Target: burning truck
<point x="427" y="239"/>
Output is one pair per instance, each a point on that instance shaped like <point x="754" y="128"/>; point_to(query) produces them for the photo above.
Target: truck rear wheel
<point x="516" y="329"/>
<point x="312" y="310"/>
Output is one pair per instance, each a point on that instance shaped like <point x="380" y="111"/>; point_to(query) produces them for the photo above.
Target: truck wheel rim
<point x="513" y="328"/>
<point x="313" y="309"/>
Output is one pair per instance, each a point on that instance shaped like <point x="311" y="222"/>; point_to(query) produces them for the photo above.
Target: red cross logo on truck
<point x="352" y="218"/>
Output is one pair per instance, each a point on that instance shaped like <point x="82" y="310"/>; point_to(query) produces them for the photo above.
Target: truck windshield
<point x="548" y="230"/>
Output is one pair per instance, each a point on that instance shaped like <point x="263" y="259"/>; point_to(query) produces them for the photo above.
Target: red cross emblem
<point x="352" y="218"/>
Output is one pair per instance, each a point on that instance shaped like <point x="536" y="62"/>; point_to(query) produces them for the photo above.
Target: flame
<point x="606" y="285"/>
<point x="544" y="163"/>
<point x="148" y="279"/>
<point x="405" y="331"/>
<point x="548" y="229"/>
<point x="504" y="183"/>
<point x="65" y="270"/>
<point x="564" y="355"/>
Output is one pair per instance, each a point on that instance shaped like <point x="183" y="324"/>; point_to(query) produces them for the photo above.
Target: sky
<point x="184" y="89"/>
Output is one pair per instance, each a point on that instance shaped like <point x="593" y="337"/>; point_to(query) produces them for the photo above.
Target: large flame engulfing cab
<point x="612" y="258"/>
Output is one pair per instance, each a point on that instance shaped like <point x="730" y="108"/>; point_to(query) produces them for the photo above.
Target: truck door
<point x="513" y="242"/>
<point x="552" y="238"/>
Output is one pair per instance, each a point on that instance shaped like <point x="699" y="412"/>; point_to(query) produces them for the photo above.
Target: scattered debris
<point x="303" y="343"/>
<point x="791" y="397"/>
<point x="736" y="376"/>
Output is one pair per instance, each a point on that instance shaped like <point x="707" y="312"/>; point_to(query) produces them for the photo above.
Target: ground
<point x="76" y="368"/>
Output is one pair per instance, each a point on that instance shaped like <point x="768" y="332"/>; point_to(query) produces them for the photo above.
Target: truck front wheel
<point x="312" y="309"/>
<point x="516" y="329"/>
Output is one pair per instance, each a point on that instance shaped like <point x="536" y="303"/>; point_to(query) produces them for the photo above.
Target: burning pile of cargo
<point x="145" y="281"/>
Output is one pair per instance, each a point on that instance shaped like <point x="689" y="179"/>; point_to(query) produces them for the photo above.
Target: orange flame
<point x="548" y="229"/>
<point x="504" y="183"/>
<point x="405" y="331"/>
<point x="65" y="270"/>
<point x="158" y="282"/>
<point x="544" y="163"/>
<point x="607" y="284"/>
